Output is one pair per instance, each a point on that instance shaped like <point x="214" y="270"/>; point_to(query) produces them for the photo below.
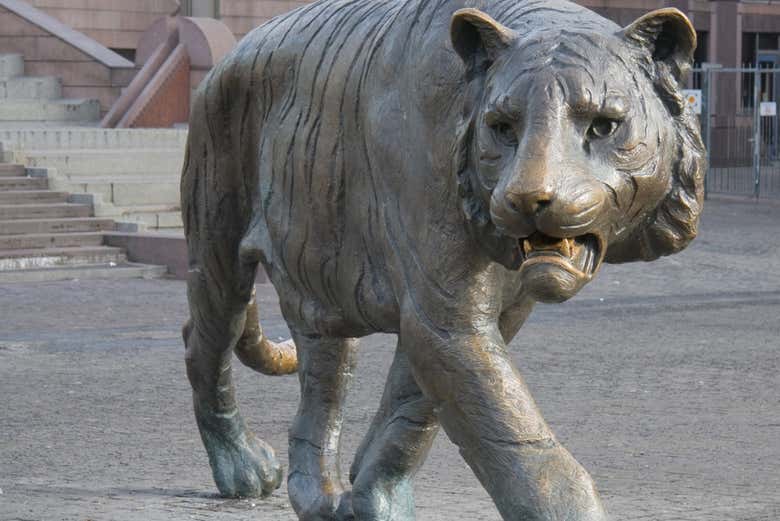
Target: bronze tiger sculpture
<point x="428" y="168"/>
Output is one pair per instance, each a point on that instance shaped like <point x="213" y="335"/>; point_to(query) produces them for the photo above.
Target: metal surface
<point x="432" y="171"/>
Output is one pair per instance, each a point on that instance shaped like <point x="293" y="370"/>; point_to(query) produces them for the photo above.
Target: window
<point x="200" y="8"/>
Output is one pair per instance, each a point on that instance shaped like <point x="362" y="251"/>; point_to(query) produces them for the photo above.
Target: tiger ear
<point x="668" y="35"/>
<point x="478" y="39"/>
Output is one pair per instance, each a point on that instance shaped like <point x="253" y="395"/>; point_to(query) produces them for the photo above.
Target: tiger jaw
<point x="580" y="255"/>
<point x="555" y="269"/>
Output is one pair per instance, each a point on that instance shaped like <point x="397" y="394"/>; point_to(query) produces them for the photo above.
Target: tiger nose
<point x="530" y="203"/>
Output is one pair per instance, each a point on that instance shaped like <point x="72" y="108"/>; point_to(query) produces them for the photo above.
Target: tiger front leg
<point x="314" y="483"/>
<point x="487" y="411"/>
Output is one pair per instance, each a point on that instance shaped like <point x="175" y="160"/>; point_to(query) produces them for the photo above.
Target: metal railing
<point x="739" y="123"/>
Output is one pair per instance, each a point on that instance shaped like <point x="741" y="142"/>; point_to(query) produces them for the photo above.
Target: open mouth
<point x="581" y="256"/>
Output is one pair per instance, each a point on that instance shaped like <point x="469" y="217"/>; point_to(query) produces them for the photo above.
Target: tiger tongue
<point x="543" y="243"/>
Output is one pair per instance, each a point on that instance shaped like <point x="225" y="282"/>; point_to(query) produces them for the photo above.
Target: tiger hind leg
<point x="394" y="449"/>
<point x="242" y="464"/>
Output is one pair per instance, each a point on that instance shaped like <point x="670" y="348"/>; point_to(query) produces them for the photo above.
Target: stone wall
<point x="117" y="24"/>
<point x="241" y="16"/>
<point x="87" y="69"/>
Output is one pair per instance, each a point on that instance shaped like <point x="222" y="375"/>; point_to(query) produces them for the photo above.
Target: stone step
<point x="47" y="257"/>
<point x="32" y="197"/>
<point x="11" y="66"/>
<point x="60" y="111"/>
<point x="50" y="240"/>
<point x="38" y="211"/>
<point x="23" y="183"/>
<point x="151" y="215"/>
<point x="124" y="270"/>
<point x="109" y="163"/>
<point x="31" y="87"/>
<point x="93" y="138"/>
<point x="11" y="170"/>
<point x="136" y="191"/>
<point x="67" y="225"/>
<point x="46" y="125"/>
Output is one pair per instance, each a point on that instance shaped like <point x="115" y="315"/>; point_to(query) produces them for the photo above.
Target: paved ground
<point x="664" y="383"/>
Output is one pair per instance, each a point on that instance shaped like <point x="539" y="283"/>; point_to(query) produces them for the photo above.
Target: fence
<point x="739" y="121"/>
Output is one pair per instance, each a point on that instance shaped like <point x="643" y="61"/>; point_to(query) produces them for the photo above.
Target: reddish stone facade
<point x="117" y="24"/>
<point x="87" y="71"/>
<point x="244" y="15"/>
<point x="723" y="25"/>
<point x="730" y="33"/>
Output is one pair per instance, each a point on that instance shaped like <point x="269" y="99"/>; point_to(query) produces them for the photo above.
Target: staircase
<point x="135" y="186"/>
<point x="44" y="237"/>
<point x="135" y="172"/>
<point x="37" y="100"/>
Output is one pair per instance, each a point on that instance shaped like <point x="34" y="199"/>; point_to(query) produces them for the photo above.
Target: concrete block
<point x="45" y="257"/>
<point x="106" y="96"/>
<point x="125" y="270"/>
<point x="95" y="138"/>
<point x="12" y="170"/>
<point x="154" y="217"/>
<point x="17" y="125"/>
<point x="109" y="163"/>
<point x="126" y="194"/>
<point x="32" y="197"/>
<point x="130" y="227"/>
<point x="40" y="172"/>
<point x="102" y="190"/>
<point x="90" y="199"/>
<point x="49" y="225"/>
<point x="11" y="65"/>
<point x="162" y="248"/>
<point x="170" y="219"/>
<point x="40" y="211"/>
<point x="60" y="111"/>
<point x="50" y="240"/>
<point x="89" y="73"/>
<point x="22" y="183"/>
<point x="154" y="248"/>
<point x="31" y="87"/>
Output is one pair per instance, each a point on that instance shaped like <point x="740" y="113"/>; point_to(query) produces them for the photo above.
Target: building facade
<point x="119" y="24"/>
<point x="731" y="33"/>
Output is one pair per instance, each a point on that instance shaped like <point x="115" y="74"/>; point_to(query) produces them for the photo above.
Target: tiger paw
<point x="242" y="464"/>
<point x="313" y="502"/>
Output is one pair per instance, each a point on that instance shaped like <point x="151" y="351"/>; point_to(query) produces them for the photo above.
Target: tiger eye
<point x="603" y="127"/>
<point x="505" y="133"/>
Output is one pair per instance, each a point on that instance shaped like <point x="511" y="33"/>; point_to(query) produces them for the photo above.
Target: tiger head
<point x="577" y="147"/>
